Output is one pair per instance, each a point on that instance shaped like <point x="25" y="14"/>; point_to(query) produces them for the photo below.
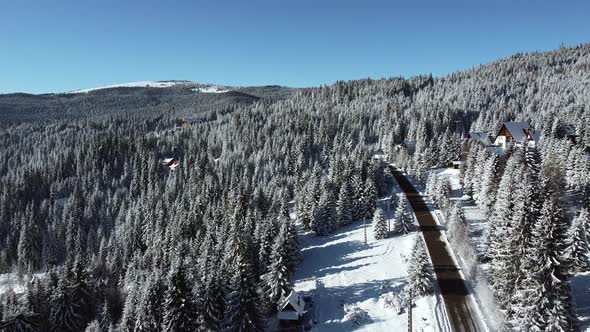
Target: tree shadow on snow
<point x="580" y="289"/>
<point x="321" y="261"/>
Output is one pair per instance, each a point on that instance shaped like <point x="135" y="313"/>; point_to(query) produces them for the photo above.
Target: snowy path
<point x="355" y="273"/>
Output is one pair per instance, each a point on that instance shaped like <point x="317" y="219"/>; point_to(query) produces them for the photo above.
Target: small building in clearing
<point x="291" y="309"/>
<point x="516" y="134"/>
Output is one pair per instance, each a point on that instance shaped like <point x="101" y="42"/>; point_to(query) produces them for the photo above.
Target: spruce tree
<point x="369" y="198"/>
<point x="149" y="308"/>
<point x="64" y="311"/>
<point x="242" y="312"/>
<point x="213" y="302"/>
<point x="404" y="222"/>
<point x="345" y="205"/>
<point x="578" y="249"/>
<point x="420" y="274"/>
<point x="543" y="299"/>
<point x="380" y="225"/>
<point x="276" y="282"/>
<point x="180" y="309"/>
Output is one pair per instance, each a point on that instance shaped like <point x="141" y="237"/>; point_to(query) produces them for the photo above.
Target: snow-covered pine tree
<point x="442" y="192"/>
<point x="380" y="225"/>
<point x="128" y="317"/>
<point x="369" y="198"/>
<point x="503" y="206"/>
<point x="404" y="221"/>
<point x="420" y="274"/>
<point x="578" y="250"/>
<point x="179" y="309"/>
<point x="149" y="308"/>
<point x="80" y="291"/>
<point x="431" y="183"/>
<point x="345" y="204"/>
<point x="242" y="312"/>
<point x="104" y="317"/>
<point x="94" y="326"/>
<point x="456" y="228"/>
<point x="21" y="322"/>
<point x="291" y="244"/>
<point x="213" y="302"/>
<point x="64" y="314"/>
<point x="487" y="194"/>
<point x="501" y="240"/>
<point x="276" y="283"/>
<point x="543" y="299"/>
<point x="325" y="215"/>
<point x="357" y="197"/>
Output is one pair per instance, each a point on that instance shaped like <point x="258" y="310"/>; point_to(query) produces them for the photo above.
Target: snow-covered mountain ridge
<point x="195" y="86"/>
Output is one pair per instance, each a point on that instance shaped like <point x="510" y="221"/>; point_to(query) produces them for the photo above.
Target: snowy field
<point x="353" y="273"/>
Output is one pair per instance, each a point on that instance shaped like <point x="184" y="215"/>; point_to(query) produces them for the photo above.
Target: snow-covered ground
<point x="15" y="282"/>
<point x="142" y="84"/>
<point x="211" y="89"/>
<point x="200" y="87"/>
<point x="353" y="273"/>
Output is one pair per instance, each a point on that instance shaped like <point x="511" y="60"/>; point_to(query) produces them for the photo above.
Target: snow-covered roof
<point x="481" y="137"/>
<point x="295" y="300"/>
<point x="174" y="165"/>
<point x="517" y="130"/>
<point x="521" y="131"/>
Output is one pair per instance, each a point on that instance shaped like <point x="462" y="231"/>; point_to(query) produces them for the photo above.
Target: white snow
<point x="355" y="276"/>
<point x="15" y="282"/>
<point x="142" y="84"/>
<point x="200" y="87"/>
<point x="211" y="89"/>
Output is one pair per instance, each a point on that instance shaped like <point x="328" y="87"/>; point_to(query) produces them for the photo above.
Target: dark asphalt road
<point x="460" y="308"/>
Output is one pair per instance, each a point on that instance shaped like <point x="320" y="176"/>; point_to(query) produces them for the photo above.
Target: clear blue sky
<point x="55" y="46"/>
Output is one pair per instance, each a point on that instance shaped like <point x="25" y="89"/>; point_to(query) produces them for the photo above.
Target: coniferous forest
<point x="109" y="238"/>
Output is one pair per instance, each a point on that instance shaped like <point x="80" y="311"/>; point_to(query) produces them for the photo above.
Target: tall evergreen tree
<point x="179" y="309"/>
<point x="380" y="225"/>
<point x="420" y="274"/>
<point x="404" y="222"/>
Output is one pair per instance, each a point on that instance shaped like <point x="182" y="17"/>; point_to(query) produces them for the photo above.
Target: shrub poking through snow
<point x="420" y="273"/>
<point x="380" y="229"/>
<point x="356" y="315"/>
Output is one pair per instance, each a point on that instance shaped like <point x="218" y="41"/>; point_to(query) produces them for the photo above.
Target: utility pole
<point x="410" y="312"/>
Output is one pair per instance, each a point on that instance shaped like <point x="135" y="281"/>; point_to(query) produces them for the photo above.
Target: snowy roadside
<point x="352" y="274"/>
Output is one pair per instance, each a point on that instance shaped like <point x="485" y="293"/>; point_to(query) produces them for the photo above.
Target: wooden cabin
<point x="516" y="134"/>
<point x="291" y="309"/>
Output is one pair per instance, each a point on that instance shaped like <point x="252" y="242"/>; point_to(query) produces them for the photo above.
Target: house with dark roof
<point x="516" y="134"/>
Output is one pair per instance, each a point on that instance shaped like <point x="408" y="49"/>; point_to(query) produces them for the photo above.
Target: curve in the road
<point x="460" y="308"/>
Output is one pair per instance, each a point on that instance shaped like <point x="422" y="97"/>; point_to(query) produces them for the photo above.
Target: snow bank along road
<point x="460" y="307"/>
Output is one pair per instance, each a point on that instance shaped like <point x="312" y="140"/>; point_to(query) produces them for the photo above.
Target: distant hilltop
<point x="195" y="86"/>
